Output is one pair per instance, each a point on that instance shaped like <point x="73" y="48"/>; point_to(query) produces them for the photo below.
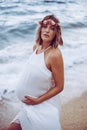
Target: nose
<point x="47" y="29"/>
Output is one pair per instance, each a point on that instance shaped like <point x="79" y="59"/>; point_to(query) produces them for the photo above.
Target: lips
<point x="46" y="35"/>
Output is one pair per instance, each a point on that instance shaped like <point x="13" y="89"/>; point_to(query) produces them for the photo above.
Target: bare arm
<point x="57" y="69"/>
<point x="58" y="75"/>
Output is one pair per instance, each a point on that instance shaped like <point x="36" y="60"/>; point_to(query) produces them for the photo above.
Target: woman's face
<point x="48" y="30"/>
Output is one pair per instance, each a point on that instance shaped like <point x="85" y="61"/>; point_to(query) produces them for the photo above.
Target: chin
<point x="46" y="39"/>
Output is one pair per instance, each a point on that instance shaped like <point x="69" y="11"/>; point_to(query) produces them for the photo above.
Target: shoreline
<point x="73" y="114"/>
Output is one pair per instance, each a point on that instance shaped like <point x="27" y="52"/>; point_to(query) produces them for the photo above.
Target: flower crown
<point x="50" y="22"/>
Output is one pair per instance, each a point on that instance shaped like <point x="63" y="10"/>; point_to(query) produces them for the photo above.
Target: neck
<point x="45" y="45"/>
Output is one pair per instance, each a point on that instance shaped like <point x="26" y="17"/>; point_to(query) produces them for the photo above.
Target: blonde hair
<point x="57" y="40"/>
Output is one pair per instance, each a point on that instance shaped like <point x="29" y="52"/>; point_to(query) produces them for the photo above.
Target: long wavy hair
<point x="57" y="40"/>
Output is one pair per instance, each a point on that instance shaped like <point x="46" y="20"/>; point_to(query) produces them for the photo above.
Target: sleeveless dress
<point x="35" y="81"/>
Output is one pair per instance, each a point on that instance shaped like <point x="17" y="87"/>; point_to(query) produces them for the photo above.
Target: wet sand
<point x="73" y="115"/>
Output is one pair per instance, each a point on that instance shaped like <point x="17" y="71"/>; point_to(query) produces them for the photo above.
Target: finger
<point x="28" y="97"/>
<point x="26" y="102"/>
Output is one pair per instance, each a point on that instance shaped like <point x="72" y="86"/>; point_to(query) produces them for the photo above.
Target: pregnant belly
<point x="21" y="93"/>
<point x="31" y="88"/>
<point x="34" y="92"/>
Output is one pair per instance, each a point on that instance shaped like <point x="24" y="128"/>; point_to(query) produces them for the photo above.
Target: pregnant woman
<point x="42" y="81"/>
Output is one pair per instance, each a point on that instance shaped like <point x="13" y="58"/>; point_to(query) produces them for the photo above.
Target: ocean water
<point x="18" y="23"/>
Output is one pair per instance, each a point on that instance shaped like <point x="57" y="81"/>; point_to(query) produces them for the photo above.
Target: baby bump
<point x="35" y="88"/>
<point x="29" y="90"/>
<point x="21" y="93"/>
<point x="33" y="91"/>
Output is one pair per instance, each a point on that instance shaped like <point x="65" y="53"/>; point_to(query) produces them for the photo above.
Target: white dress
<point x="36" y="81"/>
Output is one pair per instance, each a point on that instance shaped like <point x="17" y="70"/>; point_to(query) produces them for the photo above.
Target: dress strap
<point x="47" y="48"/>
<point x="42" y="50"/>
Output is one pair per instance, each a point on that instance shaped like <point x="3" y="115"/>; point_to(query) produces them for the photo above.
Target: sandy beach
<point x="73" y="115"/>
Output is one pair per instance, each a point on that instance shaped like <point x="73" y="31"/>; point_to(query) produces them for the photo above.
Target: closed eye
<point x="44" y="26"/>
<point x="52" y="28"/>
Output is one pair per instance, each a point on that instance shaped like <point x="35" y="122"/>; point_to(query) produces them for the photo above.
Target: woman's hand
<point x="31" y="101"/>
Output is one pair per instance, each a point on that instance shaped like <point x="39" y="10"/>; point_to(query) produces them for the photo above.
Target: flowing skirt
<point x="43" y="116"/>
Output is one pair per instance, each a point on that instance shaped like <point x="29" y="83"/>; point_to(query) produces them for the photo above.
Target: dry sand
<point x="73" y="116"/>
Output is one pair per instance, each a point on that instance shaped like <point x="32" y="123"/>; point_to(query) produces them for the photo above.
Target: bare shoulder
<point x="56" y="63"/>
<point x="56" y="55"/>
